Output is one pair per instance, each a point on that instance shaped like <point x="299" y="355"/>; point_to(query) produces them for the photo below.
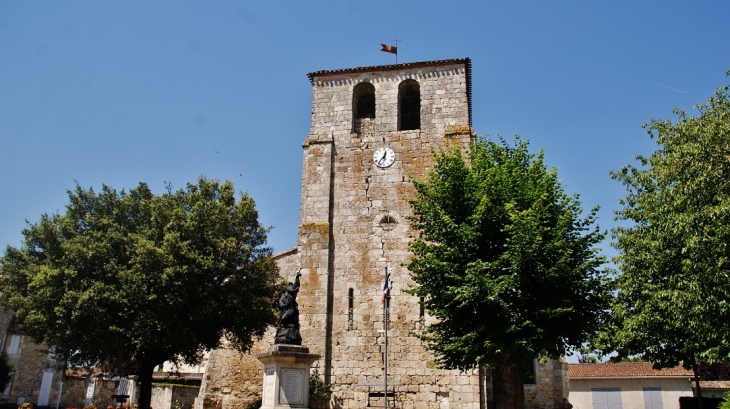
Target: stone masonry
<point x="353" y="226"/>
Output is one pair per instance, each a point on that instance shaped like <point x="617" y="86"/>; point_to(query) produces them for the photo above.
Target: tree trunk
<point x="509" y="392"/>
<point x="698" y="390"/>
<point x="145" y="384"/>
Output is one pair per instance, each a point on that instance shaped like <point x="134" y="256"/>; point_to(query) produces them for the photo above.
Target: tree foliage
<point x="673" y="300"/>
<point x="716" y="371"/>
<point x="132" y="279"/>
<point x="504" y="260"/>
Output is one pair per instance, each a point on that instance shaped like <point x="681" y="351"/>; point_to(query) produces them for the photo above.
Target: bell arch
<point x="409" y="105"/>
<point x="363" y="101"/>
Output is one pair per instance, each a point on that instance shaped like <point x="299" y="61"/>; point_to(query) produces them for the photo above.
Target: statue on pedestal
<point x="287" y="363"/>
<point x="288" y="330"/>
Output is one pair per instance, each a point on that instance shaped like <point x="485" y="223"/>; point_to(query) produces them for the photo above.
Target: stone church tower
<point x="374" y="130"/>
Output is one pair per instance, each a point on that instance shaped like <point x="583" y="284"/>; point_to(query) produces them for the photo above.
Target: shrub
<point x="725" y="403"/>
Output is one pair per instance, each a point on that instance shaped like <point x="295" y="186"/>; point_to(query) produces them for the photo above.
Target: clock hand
<point x="382" y="158"/>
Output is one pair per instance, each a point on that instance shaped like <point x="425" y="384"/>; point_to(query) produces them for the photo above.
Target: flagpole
<point x="396" y="50"/>
<point x="385" y="328"/>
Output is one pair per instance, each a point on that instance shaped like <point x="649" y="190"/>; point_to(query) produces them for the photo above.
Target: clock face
<point x="384" y="157"/>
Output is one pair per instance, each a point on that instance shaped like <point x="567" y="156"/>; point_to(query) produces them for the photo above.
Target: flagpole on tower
<point x="386" y="300"/>
<point x="396" y="49"/>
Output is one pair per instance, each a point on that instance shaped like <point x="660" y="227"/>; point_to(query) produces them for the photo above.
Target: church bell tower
<point x="373" y="131"/>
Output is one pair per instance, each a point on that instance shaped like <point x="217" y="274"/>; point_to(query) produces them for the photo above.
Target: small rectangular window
<point x="123" y="387"/>
<point x="14" y="344"/>
<point x="653" y="398"/>
<point x="529" y="374"/>
<point x="606" y="398"/>
<point x="11" y="375"/>
<point x="90" y="391"/>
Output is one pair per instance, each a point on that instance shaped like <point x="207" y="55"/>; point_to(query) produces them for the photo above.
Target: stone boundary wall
<point x="233" y="380"/>
<point x="173" y="396"/>
<point x="551" y="386"/>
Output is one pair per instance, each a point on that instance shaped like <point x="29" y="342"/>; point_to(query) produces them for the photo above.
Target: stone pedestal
<point x="286" y="376"/>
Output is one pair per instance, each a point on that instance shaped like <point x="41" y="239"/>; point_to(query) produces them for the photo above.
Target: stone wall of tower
<point x="314" y="242"/>
<point x="353" y="226"/>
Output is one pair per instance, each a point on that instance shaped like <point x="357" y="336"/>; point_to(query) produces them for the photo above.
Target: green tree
<point x="673" y="300"/>
<point x="133" y="279"/>
<point x="505" y="263"/>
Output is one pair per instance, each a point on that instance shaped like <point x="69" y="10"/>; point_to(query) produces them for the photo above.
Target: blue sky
<point x="165" y="91"/>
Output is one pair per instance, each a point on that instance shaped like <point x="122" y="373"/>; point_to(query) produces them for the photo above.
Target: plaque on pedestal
<point x="286" y="376"/>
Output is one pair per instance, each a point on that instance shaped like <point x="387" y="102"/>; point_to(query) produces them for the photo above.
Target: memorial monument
<point x="287" y="362"/>
<point x="287" y="332"/>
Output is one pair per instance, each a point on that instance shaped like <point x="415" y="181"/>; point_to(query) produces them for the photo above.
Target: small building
<point x="35" y="377"/>
<point x="715" y="389"/>
<point x="627" y="385"/>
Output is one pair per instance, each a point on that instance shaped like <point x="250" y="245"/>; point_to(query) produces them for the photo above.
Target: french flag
<point x="385" y="288"/>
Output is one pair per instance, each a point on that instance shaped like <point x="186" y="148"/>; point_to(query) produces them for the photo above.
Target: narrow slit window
<point x="350" y="307"/>
<point x="11" y="375"/>
<point x="409" y="105"/>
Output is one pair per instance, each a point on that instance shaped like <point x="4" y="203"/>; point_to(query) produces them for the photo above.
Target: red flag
<point x="389" y="49"/>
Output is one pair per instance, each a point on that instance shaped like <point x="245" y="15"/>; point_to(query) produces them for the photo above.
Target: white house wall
<point x="632" y="391"/>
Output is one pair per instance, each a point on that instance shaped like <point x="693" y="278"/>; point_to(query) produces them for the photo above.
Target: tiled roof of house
<point x="624" y="370"/>
<point x="715" y="385"/>
<point x="169" y="376"/>
<point x="81" y="372"/>
<point x="284" y="253"/>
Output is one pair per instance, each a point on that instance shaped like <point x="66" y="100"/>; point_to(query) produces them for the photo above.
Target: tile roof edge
<point x="390" y="67"/>
<point x="285" y="253"/>
<point x="632" y="377"/>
